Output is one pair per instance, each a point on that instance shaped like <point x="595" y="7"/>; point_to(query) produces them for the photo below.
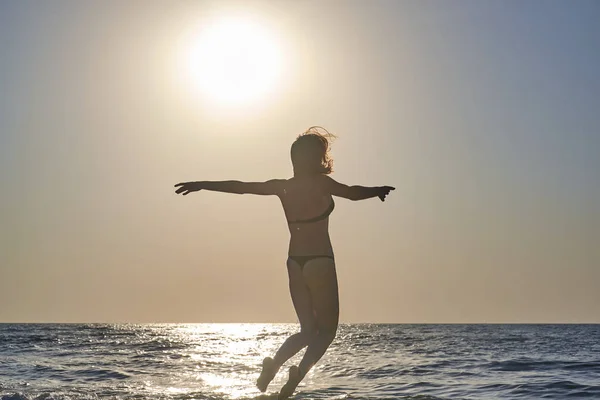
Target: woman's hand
<point x="188" y="187"/>
<point x="384" y="191"/>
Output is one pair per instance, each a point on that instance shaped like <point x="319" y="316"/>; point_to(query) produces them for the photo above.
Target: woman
<point x="307" y="202"/>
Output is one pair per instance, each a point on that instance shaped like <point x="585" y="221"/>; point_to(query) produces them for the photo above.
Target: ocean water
<point x="366" y="361"/>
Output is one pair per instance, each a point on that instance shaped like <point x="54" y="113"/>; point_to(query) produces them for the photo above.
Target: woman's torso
<point x="306" y="199"/>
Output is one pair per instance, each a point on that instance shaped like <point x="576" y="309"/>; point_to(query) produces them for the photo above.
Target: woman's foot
<point x="294" y="379"/>
<point x="267" y="374"/>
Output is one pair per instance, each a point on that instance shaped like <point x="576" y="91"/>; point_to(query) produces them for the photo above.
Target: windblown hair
<point x="310" y="151"/>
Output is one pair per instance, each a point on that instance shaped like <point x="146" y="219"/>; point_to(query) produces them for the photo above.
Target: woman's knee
<point x="328" y="332"/>
<point x="308" y="332"/>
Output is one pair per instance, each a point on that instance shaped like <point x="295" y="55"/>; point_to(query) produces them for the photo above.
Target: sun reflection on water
<point x="224" y="358"/>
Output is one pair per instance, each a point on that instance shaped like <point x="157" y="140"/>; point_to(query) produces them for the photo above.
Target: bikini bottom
<point x="302" y="260"/>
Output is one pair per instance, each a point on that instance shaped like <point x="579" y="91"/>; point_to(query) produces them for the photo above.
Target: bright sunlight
<point x="234" y="60"/>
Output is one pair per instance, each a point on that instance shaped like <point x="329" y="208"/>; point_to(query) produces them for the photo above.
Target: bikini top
<point x="315" y="219"/>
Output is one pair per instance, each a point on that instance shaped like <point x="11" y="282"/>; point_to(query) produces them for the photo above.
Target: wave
<point x="199" y="396"/>
<point x="365" y="362"/>
<point x="100" y="375"/>
<point x="531" y="365"/>
<point x="556" y="389"/>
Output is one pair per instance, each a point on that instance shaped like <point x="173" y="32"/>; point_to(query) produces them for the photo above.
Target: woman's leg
<point x="321" y="279"/>
<point x="304" y="310"/>
<point x="308" y="326"/>
<point x="323" y="286"/>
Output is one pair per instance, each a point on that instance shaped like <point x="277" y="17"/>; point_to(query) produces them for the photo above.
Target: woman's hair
<point x="310" y="151"/>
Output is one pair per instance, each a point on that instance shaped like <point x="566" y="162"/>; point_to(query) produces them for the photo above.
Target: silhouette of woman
<point x="307" y="202"/>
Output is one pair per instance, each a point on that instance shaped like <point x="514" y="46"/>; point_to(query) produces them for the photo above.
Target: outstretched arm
<point x="271" y="187"/>
<point x="357" y="192"/>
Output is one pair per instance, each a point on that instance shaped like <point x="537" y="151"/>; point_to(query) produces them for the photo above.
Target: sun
<point x="234" y="60"/>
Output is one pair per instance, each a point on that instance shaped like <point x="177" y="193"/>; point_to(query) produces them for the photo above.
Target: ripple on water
<point x="221" y="361"/>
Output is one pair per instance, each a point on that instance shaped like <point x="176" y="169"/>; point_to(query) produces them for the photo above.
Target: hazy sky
<point x="483" y="114"/>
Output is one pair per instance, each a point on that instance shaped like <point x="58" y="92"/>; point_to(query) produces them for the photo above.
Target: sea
<point x="365" y="361"/>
